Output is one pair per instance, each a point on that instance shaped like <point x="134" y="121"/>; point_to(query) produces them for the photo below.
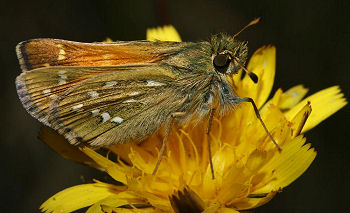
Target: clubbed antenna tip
<point x="255" y="21"/>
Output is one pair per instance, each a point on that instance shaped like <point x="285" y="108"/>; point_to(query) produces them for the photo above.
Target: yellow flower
<point x="165" y="33"/>
<point x="249" y="170"/>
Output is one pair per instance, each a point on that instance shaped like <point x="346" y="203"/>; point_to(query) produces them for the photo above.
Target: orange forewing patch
<point x="38" y="53"/>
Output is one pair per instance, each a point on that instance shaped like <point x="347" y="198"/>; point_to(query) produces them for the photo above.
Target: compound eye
<point x="221" y="62"/>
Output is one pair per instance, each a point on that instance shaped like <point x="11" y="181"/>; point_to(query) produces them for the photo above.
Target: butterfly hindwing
<point x="38" y="88"/>
<point x="117" y="107"/>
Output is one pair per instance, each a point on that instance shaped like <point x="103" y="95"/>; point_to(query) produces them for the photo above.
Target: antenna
<point x="252" y="75"/>
<point x="255" y="21"/>
<point x="254" y="78"/>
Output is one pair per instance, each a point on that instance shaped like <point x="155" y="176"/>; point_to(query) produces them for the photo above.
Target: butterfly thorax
<point x="203" y="83"/>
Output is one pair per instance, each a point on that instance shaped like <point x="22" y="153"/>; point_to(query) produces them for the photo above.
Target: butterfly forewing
<point x="117" y="107"/>
<point x="38" y="53"/>
<point x="52" y="66"/>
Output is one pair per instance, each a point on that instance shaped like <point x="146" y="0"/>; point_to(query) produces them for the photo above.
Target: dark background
<point x="312" y="39"/>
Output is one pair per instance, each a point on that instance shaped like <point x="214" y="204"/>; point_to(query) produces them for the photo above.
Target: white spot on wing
<point x="63" y="76"/>
<point x="53" y="96"/>
<point x="130" y="101"/>
<point x="93" y="94"/>
<point x="110" y="83"/>
<point x="105" y="117"/>
<point x="60" y="82"/>
<point x="106" y="56"/>
<point x="117" y="120"/>
<point x="61" y="72"/>
<point x="105" y="62"/>
<point x="46" y="91"/>
<point x="62" y="52"/>
<point x="61" y="57"/>
<point x="76" y="107"/>
<point x="134" y="93"/>
<point x="95" y="111"/>
<point x="154" y="83"/>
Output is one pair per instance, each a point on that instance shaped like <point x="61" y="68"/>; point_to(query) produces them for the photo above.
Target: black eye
<point x="221" y="62"/>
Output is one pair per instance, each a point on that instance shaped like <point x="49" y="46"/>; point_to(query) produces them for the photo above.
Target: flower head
<point x="249" y="169"/>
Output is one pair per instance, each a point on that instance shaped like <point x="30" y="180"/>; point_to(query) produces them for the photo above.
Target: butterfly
<point x="100" y="94"/>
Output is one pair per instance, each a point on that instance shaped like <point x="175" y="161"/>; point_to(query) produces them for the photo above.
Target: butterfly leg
<point x="237" y="100"/>
<point x="165" y="138"/>
<point x="211" y="114"/>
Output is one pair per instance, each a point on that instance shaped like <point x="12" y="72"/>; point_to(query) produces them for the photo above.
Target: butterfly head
<point x="229" y="55"/>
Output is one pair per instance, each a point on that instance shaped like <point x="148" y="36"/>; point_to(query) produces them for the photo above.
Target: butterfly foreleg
<point x="165" y="138"/>
<point x="210" y="120"/>
<point x="237" y="100"/>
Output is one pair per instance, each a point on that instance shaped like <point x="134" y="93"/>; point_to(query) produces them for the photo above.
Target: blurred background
<point x="312" y="40"/>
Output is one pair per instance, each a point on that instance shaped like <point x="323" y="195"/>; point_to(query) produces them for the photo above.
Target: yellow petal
<point x="139" y="160"/>
<point x="165" y="33"/>
<point x="275" y="99"/>
<point x="292" y="96"/>
<point x="324" y="103"/>
<point x="299" y="120"/>
<point x="227" y="210"/>
<point x="121" y="210"/>
<point x="287" y="166"/>
<point x="113" y="201"/>
<point x="212" y="208"/>
<point x="78" y="197"/>
<point x="108" y="40"/>
<point x="232" y="191"/>
<point x="256" y="160"/>
<point x="116" y="171"/>
<point x="249" y="202"/>
<point x="263" y="64"/>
